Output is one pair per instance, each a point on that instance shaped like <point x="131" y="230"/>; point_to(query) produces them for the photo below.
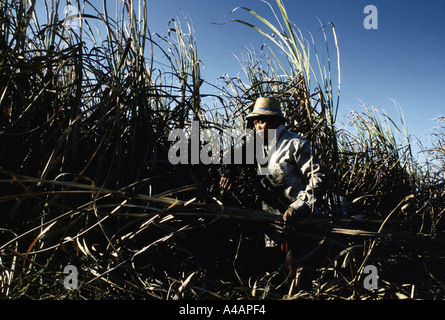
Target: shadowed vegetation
<point x="85" y="177"/>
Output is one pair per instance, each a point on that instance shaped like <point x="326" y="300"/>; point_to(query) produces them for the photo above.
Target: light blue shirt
<point x="295" y="175"/>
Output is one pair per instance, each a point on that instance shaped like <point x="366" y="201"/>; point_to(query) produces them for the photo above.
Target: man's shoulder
<point x="290" y="135"/>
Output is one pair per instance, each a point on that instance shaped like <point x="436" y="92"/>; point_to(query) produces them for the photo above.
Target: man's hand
<point x="293" y="214"/>
<point x="225" y="184"/>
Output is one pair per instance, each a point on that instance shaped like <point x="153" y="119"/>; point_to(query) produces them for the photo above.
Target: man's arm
<point x="315" y="178"/>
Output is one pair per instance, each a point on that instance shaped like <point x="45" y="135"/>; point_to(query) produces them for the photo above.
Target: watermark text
<point x="212" y="146"/>
<point x="71" y="280"/>
<point x="371" y="20"/>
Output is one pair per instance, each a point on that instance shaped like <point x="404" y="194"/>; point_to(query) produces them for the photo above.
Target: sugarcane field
<point x="127" y="173"/>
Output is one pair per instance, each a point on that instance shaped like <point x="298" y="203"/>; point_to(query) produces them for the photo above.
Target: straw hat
<point x="266" y="107"/>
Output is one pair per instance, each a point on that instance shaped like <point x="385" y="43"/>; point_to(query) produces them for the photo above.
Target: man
<point x="295" y="182"/>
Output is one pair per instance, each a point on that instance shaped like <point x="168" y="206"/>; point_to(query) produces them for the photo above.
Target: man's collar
<point x="278" y="134"/>
<point x="280" y="130"/>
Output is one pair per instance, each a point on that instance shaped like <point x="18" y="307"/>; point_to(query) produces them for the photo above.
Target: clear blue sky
<point x="402" y="60"/>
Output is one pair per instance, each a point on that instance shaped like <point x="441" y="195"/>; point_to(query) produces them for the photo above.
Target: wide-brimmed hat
<point x="266" y="107"/>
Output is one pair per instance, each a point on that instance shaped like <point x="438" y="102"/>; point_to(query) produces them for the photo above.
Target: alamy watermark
<point x="213" y="146"/>
<point x="371" y="21"/>
<point x="72" y="18"/>
<point x="370" y="282"/>
<point x="70" y="282"/>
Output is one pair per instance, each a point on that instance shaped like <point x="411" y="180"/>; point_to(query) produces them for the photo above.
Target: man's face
<point x="263" y="124"/>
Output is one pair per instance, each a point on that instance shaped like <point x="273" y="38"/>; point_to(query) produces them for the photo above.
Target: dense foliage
<point x="86" y="179"/>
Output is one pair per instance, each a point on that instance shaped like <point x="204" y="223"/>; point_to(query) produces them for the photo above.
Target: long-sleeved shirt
<point x="295" y="176"/>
